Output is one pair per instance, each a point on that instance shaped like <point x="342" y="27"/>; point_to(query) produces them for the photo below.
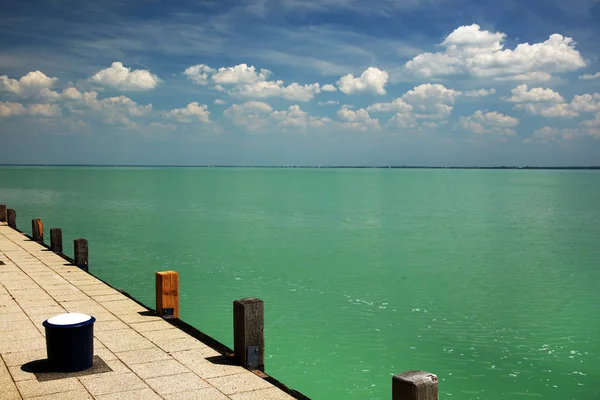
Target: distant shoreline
<point x="308" y="166"/>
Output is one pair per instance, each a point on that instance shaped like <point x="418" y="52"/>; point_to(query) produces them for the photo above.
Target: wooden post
<point x="415" y="385"/>
<point x="37" y="230"/>
<point x="2" y="212"/>
<point x="249" y="333"/>
<point x="167" y="294"/>
<point x="12" y="218"/>
<point x="56" y="240"/>
<point x="81" y="253"/>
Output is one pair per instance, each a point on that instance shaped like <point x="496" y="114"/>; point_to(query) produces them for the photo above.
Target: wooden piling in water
<point x="56" y="240"/>
<point x="80" y="253"/>
<point x="167" y="294"/>
<point x="415" y="385"/>
<point x="2" y="212"/>
<point x="249" y="333"/>
<point x="12" y="218"/>
<point x="37" y="230"/>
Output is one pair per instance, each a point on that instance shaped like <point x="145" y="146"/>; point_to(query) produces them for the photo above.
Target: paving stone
<point x="271" y="393"/>
<point x="111" y="382"/>
<point x="142" y="394"/>
<point x="123" y="340"/>
<point x="32" y="388"/>
<point x="195" y="355"/>
<point x="176" y="383"/>
<point x="186" y="343"/>
<point x="143" y="356"/>
<point x="243" y="382"/>
<point x="159" y="368"/>
<point x="151" y="326"/>
<point x="208" y="393"/>
<point x="207" y="369"/>
<point x="165" y="335"/>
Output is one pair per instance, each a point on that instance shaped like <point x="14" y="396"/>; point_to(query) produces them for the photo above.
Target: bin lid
<point x="69" y="319"/>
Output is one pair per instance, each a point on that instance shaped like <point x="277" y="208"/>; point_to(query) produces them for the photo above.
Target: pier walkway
<point x="143" y="356"/>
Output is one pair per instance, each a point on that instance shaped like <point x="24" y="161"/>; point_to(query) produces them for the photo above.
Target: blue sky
<point x="260" y="82"/>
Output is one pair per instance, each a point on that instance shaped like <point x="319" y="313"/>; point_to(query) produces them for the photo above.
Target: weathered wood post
<point x="2" y="212"/>
<point x="12" y="218"/>
<point x="167" y="294"/>
<point x="37" y="230"/>
<point x="81" y="253"/>
<point x="249" y="333"/>
<point x="415" y="385"/>
<point x="56" y="240"/>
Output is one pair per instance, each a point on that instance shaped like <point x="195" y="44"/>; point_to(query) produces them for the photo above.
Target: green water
<point x="487" y="278"/>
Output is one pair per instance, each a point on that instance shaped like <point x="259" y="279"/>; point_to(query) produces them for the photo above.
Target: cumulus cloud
<point x="123" y="78"/>
<point x="548" y="134"/>
<point x="480" y="92"/>
<point x="521" y="94"/>
<point x="562" y="110"/>
<point x="28" y="85"/>
<point x="247" y="81"/>
<point x="489" y="122"/>
<point x="328" y="88"/>
<point x="328" y="103"/>
<point x="469" y="50"/>
<point x="590" y="76"/>
<point x="586" y="103"/>
<point x="396" y="105"/>
<point x="258" y="116"/>
<point x="9" y="109"/>
<point x="372" y="80"/>
<point x="192" y="112"/>
<point x="199" y="73"/>
<point x="433" y="101"/>
<point x="220" y="102"/>
<point x="358" y="120"/>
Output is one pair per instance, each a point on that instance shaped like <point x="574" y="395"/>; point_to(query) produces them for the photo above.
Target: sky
<point x="300" y="82"/>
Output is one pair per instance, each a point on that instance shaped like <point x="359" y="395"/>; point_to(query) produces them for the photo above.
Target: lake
<point x="488" y="278"/>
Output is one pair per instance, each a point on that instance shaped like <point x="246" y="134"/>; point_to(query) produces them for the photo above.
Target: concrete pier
<point x="144" y="356"/>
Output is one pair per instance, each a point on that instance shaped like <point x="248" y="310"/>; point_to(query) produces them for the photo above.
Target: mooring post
<point x="81" y="253"/>
<point x="2" y="212"/>
<point x="415" y="385"/>
<point x="56" y="240"/>
<point x="167" y="294"/>
<point x="12" y="218"/>
<point x="249" y="333"/>
<point x="37" y="230"/>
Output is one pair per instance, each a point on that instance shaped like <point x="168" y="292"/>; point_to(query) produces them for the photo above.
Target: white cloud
<point x="480" y="92"/>
<point x="562" y="110"/>
<point x="521" y="94"/>
<point x="433" y="101"/>
<point x="27" y="85"/>
<point x="590" y="76"/>
<point x="251" y="114"/>
<point x="328" y="102"/>
<point x="396" y="105"/>
<point x="123" y="78"/>
<point x="489" y="122"/>
<point x="531" y="76"/>
<point x="44" y="110"/>
<point x="259" y="116"/>
<point x="328" y="88"/>
<point x="372" y="80"/>
<point x="220" y="102"/>
<point x="471" y="51"/>
<point x="199" y="73"/>
<point x="358" y="120"/>
<point x="586" y="103"/>
<point x="247" y="81"/>
<point x="112" y="110"/>
<point x="548" y="134"/>
<point x="192" y="112"/>
<point x="9" y="109"/>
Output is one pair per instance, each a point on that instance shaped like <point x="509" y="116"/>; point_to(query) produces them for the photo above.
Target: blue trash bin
<point x="70" y="342"/>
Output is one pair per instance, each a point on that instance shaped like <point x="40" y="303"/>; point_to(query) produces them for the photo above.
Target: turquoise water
<point x="487" y="278"/>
